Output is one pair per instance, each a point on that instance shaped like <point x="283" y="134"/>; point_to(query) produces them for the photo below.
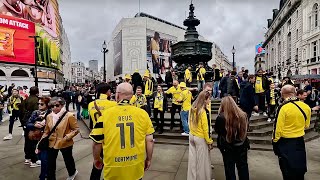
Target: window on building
<point x="315" y="14"/>
<point x="279" y="52"/>
<point x="297" y="35"/>
<point x="79" y="74"/>
<point x="297" y="14"/>
<point x="314" y="44"/>
<point x="289" y="45"/>
<point x="309" y="23"/>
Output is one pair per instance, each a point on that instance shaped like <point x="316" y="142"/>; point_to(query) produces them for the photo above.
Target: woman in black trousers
<point x="231" y="127"/>
<point x="159" y="107"/>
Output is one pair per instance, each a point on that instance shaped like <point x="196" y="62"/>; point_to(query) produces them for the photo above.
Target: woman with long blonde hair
<point x="231" y="127"/>
<point x="200" y="143"/>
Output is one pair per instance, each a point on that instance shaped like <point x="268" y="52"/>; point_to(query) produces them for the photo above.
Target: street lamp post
<point x="104" y="51"/>
<point x="233" y="53"/>
<point x="36" y="59"/>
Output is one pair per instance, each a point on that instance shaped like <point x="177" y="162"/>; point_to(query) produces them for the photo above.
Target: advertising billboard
<point x="117" y="58"/>
<point x="45" y="15"/>
<point x="159" y="52"/>
<point x="15" y="44"/>
<point x="260" y="49"/>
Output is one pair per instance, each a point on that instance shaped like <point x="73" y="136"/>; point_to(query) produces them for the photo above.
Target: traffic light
<point x="32" y="71"/>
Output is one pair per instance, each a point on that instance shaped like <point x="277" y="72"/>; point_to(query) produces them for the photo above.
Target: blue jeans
<point x="184" y="118"/>
<point x="78" y="111"/>
<point x="200" y="85"/>
<point x="43" y="156"/>
<point x="215" y="93"/>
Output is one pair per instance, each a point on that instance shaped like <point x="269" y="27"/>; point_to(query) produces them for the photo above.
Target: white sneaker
<point x="265" y="114"/>
<point x="269" y="120"/>
<point x="184" y="134"/>
<point x="34" y="165"/>
<point x="255" y="114"/>
<point x="73" y="176"/>
<point x="38" y="162"/>
<point x="7" y="137"/>
<point x="27" y="161"/>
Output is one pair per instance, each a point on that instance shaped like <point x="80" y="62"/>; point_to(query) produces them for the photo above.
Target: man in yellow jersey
<point x="185" y="99"/>
<point x="95" y="110"/>
<point x="261" y="86"/>
<point x="176" y="95"/>
<point x="292" y="118"/>
<point x="139" y="100"/>
<point x="148" y="90"/>
<point x="201" y="72"/>
<point x="124" y="132"/>
<point x="188" y="76"/>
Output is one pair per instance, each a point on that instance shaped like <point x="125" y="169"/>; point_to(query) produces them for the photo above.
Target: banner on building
<point x="260" y="49"/>
<point x="117" y="58"/>
<point x="15" y="44"/>
<point x="45" y="15"/>
<point x="159" y="51"/>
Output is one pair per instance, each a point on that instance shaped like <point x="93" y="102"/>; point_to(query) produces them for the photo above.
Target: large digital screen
<point x="159" y="51"/>
<point x="260" y="49"/>
<point x="45" y="15"/>
<point x="117" y="44"/>
<point x="15" y="44"/>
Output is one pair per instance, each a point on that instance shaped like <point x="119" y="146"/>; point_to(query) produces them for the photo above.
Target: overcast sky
<point x="226" y="22"/>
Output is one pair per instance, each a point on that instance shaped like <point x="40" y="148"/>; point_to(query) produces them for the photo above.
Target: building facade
<point x="293" y="38"/>
<point x="93" y="65"/>
<point x="311" y="37"/>
<point x="132" y="45"/>
<point x="259" y="62"/>
<point x="66" y="57"/>
<point x="78" y="72"/>
<point x="220" y="59"/>
<point x="283" y="43"/>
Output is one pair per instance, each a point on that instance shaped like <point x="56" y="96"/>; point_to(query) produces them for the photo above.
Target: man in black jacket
<point x="223" y="86"/>
<point x="232" y="86"/>
<point x="247" y="101"/>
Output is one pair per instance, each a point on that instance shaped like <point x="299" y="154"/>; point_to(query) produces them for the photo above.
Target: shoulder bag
<point x="44" y="142"/>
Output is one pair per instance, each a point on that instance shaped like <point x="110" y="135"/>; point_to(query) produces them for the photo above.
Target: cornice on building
<point x="285" y="18"/>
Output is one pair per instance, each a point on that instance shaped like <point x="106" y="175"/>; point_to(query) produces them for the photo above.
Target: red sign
<point x="15" y="44"/>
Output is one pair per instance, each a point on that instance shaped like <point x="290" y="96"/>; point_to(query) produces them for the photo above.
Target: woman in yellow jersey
<point x="159" y="107"/>
<point x="231" y="127"/>
<point x="200" y="143"/>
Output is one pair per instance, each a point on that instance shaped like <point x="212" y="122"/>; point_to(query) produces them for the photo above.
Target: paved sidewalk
<point x="169" y="161"/>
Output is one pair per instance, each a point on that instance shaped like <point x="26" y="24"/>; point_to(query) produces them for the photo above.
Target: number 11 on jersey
<point x="122" y="134"/>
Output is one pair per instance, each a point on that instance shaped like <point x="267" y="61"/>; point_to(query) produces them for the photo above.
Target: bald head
<point x="175" y="83"/>
<point x="288" y="91"/>
<point x="124" y="92"/>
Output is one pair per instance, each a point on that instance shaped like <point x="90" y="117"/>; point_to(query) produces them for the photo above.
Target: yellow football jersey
<point x="103" y="103"/>
<point x="186" y="97"/>
<point x="122" y="130"/>
<point x="176" y="94"/>
<point x="138" y="101"/>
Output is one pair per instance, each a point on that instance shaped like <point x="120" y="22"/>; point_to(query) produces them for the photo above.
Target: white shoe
<point x="27" y="161"/>
<point x="22" y="133"/>
<point x="38" y="162"/>
<point x="184" y="134"/>
<point x="265" y="114"/>
<point x="73" y="176"/>
<point x="7" y="137"/>
<point x="34" y="165"/>
<point x="269" y="120"/>
<point x="255" y="114"/>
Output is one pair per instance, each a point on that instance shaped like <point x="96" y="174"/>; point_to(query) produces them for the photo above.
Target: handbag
<point x="44" y="142"/>
<point x="37" y="133"/>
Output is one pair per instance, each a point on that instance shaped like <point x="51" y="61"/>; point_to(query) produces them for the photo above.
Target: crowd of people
<point x="122" y="131"/>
